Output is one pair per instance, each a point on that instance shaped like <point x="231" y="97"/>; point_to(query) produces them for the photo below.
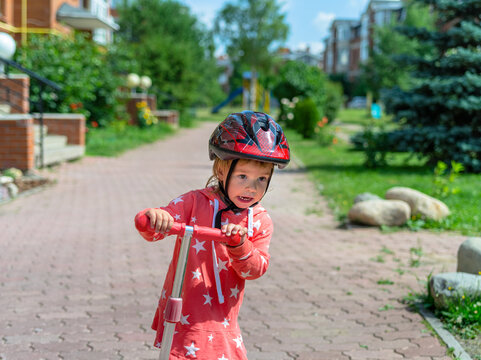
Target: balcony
<point x="87" y="19"/>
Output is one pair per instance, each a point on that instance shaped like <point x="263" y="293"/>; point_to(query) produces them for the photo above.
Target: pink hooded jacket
<point x="214" y="280"/>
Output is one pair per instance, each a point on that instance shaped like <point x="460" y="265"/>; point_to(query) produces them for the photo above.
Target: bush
<point x="306" y="117"/>
<point x="334" y="100"/>
<point x="80" y="67"/>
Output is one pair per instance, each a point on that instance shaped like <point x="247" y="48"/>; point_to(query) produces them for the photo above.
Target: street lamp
<point x="7" y="49"/>
<point x="133" y="81"/>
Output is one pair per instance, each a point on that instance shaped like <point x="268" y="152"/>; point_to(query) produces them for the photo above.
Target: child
<point x="245" y="147"/>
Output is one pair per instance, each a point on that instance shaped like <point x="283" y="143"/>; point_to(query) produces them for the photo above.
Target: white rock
<point x="420" y="203"/>
<point x="380" y="212"/>
<point x="12" y="190"/>
<point x="469" y="256"/>
<point x="5" y="180"/>
<point x="451" y="286"/>
<point x="366" y="196"/>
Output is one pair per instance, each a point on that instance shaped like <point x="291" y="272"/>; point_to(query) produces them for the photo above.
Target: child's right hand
<point x="160" y="220"/>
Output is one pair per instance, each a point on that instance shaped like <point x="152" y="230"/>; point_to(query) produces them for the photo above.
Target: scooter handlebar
<point x="142" y="223"/>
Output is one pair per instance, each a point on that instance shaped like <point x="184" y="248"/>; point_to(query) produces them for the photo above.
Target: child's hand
<point x="232" y="230"/>
<point x="160" y="220"/>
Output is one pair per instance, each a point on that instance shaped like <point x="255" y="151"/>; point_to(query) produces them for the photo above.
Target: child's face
<point x="248" y="182"/>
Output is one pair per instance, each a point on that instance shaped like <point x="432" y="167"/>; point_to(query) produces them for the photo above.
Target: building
<point x="20" y="18"/>
<point x="351" y="41"/>
<point x="302" y="55"/>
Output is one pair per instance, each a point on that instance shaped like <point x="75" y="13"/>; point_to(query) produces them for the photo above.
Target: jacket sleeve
<point x="251" y="259"/>
<point x="177" y="208"/>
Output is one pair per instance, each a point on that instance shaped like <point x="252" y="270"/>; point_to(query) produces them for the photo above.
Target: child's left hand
<point x="231" y="230"/>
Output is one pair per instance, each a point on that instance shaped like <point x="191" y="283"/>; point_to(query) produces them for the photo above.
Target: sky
<point x="308" y="20"/>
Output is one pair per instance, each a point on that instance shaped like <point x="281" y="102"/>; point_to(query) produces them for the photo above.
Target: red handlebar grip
<point x="142" y="223"/>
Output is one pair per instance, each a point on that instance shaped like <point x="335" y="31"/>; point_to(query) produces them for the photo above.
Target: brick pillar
<point x="132" y="110"/>
<point x="70" y="125"/>
<point x="16" y="142"/>
<point x="15" y="91"/>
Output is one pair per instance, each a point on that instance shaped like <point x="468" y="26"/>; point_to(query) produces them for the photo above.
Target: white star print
<point x="234" y="292"/>
<point x="257" y="224"/>
<point x="264" y="261"/>
<point x="194" y="219"/>
<point x="211" y="337"/>
<point x="176" y="200"/>
<point x="177" y="217"/>
<point x="222" y="358"/>
<point x="183" y="320"/>
<point x="191" y="350"/>
<point x="163" y="294"/>
<point x="211" y="202"/>
<point x="245" y="274"/>
<point x="264" y="232"/>
<point x="199" y="245"/>
<point x="238" y="341"/>
<point x="221" y="265"/>
<point x="159" y="344"/>
<point x="196" y="274"/>
<point x="208" y="299"/>
<point x="225" y="323"/>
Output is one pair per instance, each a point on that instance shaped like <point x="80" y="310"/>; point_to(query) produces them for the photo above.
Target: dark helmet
<point x="250" y="135"/>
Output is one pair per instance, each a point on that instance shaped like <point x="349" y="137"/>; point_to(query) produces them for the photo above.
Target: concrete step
<point x="36" y="131"/>
<point x="52" y="141"/>
<point x="58" y="155"/>
<point x="5" y="109"/>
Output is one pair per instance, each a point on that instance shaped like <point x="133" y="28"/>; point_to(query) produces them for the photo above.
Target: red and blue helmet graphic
<point x="250" y="135"/>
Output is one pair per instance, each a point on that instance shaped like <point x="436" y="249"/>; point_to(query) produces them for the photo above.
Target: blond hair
<point x="222" y="167"/>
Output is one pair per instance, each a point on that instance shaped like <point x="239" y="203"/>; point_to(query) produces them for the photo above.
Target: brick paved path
<point x="77" y="282"/>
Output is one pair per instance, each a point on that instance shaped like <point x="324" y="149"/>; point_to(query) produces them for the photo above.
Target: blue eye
<point x="242" y="176"/>
<point x="263" y="179"/>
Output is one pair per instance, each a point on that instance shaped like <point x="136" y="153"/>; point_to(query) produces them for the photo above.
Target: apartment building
<point x="20" y="18"/>
<point x="351" y="41"/>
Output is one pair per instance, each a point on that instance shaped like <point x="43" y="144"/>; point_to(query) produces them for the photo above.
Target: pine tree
<point x="440" y="114"/>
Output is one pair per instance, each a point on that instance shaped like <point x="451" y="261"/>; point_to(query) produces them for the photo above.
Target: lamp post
<point x="133" y="81"/>
<point x="7" y="49"/>
<point x="145" y="83"/>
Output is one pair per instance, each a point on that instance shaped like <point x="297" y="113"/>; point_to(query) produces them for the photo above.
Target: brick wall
<point x="17" y="94"/>
<point x="16" y="142"/>
<point x="70" y="125"/>
<point x="132" y="105"/>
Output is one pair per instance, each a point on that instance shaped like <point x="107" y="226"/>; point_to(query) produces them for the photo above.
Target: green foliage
<point x="306" y="117"/>
<point x="439" y="114"/>
<point x="80" y="66"/>
<point x="169" y="45"/>
<point x="250" y="30"/>
<point x="334" y="100"/>
<point x="383" y="69"/>
<point x="443" y="180"/>
<point x="463" y="316"/>
<point x="299" y="80"/>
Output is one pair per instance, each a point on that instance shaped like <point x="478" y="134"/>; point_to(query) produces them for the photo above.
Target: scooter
<point x="173" y="309"/>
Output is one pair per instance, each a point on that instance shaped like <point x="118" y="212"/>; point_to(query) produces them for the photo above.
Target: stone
<point x="421" y="204"/>
<point x="366" y="196"/>
<point x="5" y="180"/>
<point x="448" y="287"/>
<point x="469" y="256"/>
<point x="12" y="190"/>
<point x="380" y="212"/>
<point x="13" y="172"/>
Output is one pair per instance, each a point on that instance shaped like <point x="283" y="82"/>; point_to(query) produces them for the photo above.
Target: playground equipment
<point x="254" y="96"/>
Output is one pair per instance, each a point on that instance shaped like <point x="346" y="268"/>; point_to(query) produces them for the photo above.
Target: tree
<point x="172" y="47"/>
<point x="385" y="68"/>
<point x="250" y="30"/>
<point x="440" y="114"/>
<point x="81" y="67"/>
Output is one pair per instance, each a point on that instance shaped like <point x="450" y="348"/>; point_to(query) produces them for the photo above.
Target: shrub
<point x="306" y="117"/>
<point x="80" y="67"/>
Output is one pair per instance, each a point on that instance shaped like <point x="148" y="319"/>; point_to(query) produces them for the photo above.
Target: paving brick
<point x="78" y="276"/>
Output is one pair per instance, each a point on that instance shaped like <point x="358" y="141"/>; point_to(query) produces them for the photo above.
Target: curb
<point x="445" y="335"/>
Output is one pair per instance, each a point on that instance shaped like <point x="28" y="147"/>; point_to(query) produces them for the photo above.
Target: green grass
<point x="360" y="117"/>
<point x="113" y="141"/>
<point x="343" y="176"/>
